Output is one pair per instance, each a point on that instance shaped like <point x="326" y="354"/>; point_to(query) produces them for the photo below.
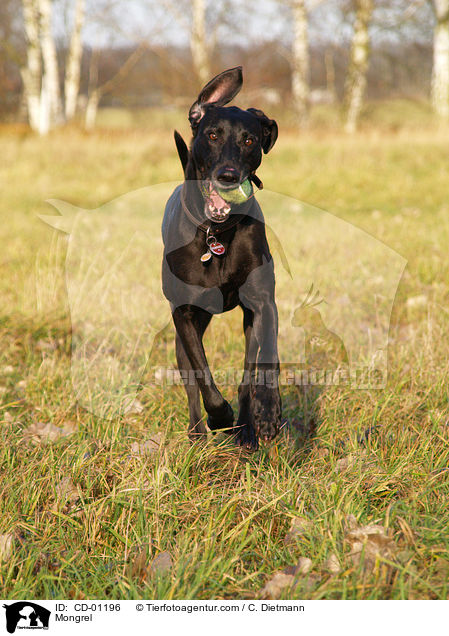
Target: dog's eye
<point x="213" y="136"/>
<point x="248" y="141"/>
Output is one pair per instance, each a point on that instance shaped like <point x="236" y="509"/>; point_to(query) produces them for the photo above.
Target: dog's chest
<point x="225" y="273"/>
<point x="232" y="265"/>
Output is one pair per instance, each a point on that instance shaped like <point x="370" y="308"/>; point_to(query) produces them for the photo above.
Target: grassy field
<point x="88" y="505"/>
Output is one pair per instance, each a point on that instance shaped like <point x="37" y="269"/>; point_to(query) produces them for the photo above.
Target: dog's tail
<point x="182" y="149"/>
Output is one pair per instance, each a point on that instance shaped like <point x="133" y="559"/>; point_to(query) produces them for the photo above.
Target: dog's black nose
<point x="228" y="176"/>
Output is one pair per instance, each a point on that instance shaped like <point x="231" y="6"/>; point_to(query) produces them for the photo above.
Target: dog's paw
<point x="266" y="405"/>
<point x="222" y="417"/>
<point x="246" y="438"/>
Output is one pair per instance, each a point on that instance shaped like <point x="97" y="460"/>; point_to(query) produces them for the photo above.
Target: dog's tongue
<point x="216" y="206"/>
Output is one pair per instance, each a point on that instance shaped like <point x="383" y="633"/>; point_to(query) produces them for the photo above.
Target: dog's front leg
<point x="246" y="435"/>
<point x="258" y="295"/>
<point x="189" y="321"/>
<point x="266" y="399"/>
<point x="196" y="427"/>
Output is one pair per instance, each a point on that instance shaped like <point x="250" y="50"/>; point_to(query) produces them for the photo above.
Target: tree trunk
<point x="358" y="65"/>
<point x="51" y="77"/>
<point x="45" y="109"/>
<point x="92" y="109"/>
<point x="440" y="72"/>
<point x="73" y="64"/>
<point x="31" y="74"/>
<point x="93" y="96"/>
<point x="300" y="62"/>
<point x="198" y="42"/>
<point x="330" y="74"/>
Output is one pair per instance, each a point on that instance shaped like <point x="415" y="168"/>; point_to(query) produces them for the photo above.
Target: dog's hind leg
<point x="196" y="428"/>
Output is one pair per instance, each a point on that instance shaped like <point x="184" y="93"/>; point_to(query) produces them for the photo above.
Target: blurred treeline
<point x="143" y="53"/>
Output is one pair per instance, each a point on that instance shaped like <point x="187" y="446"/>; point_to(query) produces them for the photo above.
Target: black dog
<point x="216" y="257"/>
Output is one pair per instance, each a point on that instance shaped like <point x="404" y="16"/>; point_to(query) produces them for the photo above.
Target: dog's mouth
<point x="218" y="201"/>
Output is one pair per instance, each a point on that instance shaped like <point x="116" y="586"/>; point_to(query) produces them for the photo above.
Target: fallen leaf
<point x="289" y="577"/>
<point x="6" y="546"/>
<point x="441" y="566"/>
<point x="360" y="459"/>
<point x="298" y="528"/>
<point x="332" y="564"/>
<point x="46" y="561"/>
<point x="370" y="542"/>
<point x="139" y="565"/>
<point x="76" y="594"/>
<point x="149" y="447"/>
<point x="134" y="407"/>
<point x="343" y="463"/>
<point x="162" y="564"/>
<point x="303" y="566"/>
<point x="66" y="494"/>
<point x="48" y="432"/>
<point x="280" y="581"/>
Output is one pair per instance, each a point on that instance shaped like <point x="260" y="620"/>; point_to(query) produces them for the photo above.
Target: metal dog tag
<point x="214" y="247"/>
<point x="217" y="248"/>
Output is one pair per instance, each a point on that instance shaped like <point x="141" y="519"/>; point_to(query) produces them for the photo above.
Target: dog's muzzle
<point x="218" y="202"/>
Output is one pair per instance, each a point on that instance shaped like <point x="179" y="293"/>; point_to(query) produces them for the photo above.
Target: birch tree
<point x="50" y="81"/>
<point x="198" y="42"/>
<point x="203" y="21"/>
<point x="204" y="33"/>
<point x="358" y="64"/>
<point x="73" y="63"/>
<point x="440" y="72"/>
<point x="300" y="62"/>
<point x="41" y="74"/>
<point x="31" y="73"/>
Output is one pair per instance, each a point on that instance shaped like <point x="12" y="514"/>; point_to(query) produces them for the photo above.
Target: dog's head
<point x="228" y="142"/>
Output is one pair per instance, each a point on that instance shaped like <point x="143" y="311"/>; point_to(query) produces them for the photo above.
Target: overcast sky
<point x="167" y="22"/>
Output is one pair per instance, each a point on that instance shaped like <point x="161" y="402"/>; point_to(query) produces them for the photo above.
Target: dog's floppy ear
<point x="218" y="91"/>
<point x="182" y="149"/>
<point x="269" y="129"/>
